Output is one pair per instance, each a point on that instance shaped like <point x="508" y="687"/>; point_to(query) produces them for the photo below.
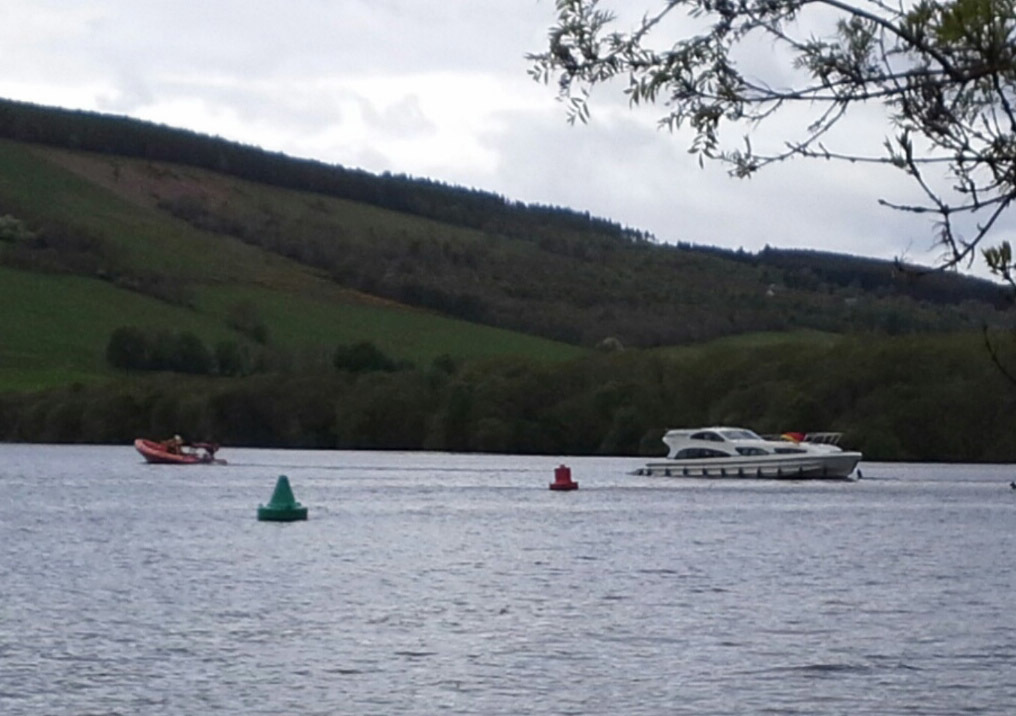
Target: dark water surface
<point x="431" y="583"/>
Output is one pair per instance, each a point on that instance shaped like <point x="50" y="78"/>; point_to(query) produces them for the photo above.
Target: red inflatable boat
<point x="195" y="454"/>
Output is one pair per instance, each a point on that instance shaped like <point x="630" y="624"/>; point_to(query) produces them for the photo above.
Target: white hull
<point x="834" y="466"/>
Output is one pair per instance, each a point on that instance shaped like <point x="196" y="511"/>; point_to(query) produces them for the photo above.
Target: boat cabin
<point x="724" y="442"/>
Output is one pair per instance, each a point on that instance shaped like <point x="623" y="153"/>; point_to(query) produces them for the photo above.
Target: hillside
<point x="80" y="260"/>
<point x="205" y="211"/>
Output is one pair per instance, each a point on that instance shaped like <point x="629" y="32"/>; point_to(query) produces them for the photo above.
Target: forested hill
<point x="462" y="253"/>
<point x="109" y="134"/>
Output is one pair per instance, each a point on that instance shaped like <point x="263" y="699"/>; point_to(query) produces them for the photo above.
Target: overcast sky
<point x="431" y="89"/>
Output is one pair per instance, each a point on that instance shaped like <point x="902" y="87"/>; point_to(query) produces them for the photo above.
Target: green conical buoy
<point x="283" y="507"/>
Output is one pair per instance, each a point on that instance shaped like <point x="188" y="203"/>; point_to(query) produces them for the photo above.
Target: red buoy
<point x="562" y="479"/>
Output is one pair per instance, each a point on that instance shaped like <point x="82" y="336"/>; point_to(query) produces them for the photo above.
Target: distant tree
<point x="451" y="423"/>
<point x="625" y="433"/>
<point x="945" y="71"/>
<point x="363" y="357"/>
<point x="230" y="359"/>
<point x="128" y="349"/>
<point x="14" y="230"/>
<point x="443" y="364"/>
<point x="162" y="354"/>
<point x="245" y="415"/>
<point x="190" y="355"/>
<point x="385" y="411"/>
<point x="110" y="416"/>
<point x="610" y="344"/>
<point x="246" y="318"/>
<point x="131" y="348"/>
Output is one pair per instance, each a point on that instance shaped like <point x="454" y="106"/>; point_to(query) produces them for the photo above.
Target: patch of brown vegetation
<point x="144" y="183"/>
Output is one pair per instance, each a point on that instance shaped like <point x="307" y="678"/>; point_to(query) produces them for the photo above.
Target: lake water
<point x="459" y="584"/>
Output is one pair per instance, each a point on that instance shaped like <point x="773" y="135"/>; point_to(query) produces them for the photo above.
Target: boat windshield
<point x="740" y="434"/>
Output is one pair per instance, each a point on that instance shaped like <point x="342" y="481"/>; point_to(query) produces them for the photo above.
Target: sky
<point x="436" y="90"/>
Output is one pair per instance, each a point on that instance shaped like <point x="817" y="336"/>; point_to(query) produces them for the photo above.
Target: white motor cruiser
<point x="737" y="452"/>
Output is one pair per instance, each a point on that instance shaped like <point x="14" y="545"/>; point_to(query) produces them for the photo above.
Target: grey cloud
<point x="404" y="118"/>
<point x="644" y="178"/>
<point x="339" y="81"/>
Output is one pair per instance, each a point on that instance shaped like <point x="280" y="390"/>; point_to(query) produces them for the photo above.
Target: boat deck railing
<point x="823" y="438"/>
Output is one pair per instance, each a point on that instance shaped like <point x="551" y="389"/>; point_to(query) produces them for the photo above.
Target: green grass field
<point x="54" y="329"/>
<point x="302" y="321"/>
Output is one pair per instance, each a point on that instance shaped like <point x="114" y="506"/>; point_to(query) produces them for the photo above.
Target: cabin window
<point x="707" y="435"/>
<point x="788" y="451"/>
<point x="751" y="451"/>
<point x="698" y="453"/>
<point x="740" y="434"/>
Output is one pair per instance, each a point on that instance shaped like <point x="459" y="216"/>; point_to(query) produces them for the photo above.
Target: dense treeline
<point x="811" y="268"/>
<point x="911" y="398"/>
<point x="815" y="270"/>
<point x="134" y="349"/>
